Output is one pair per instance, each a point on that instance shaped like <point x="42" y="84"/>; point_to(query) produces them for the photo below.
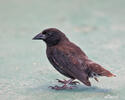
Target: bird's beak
<point x="40" y="36"/>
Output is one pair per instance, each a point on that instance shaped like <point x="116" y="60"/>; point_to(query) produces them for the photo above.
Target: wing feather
<point x="71" y="64"/>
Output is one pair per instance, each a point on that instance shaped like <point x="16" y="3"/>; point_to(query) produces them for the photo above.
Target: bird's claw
<point x="61" y="87"/>
<point x="65" y="81"/>
<point x="62" y="81"/>
<point x="75" y="83"/>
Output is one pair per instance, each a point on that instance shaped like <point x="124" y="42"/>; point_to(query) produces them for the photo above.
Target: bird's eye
<point x="47" y="33"/>
<point x="44" y="32"/>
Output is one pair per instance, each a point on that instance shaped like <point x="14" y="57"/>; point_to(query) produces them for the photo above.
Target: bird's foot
<point x="65" y="82"/>
<point x="61" y="87"/>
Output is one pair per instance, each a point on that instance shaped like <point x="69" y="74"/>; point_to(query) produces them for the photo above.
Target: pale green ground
<point x="97" y="26"/>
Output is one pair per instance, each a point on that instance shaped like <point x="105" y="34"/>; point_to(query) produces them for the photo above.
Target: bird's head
<point x="51" y="36"/>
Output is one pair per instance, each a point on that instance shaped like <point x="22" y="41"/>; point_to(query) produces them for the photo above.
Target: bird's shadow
<point x="79" y="88"/>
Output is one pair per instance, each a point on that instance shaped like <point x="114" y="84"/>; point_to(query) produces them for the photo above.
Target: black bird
<point x="69" y="59"/>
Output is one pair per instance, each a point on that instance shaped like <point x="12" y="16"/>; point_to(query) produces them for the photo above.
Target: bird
<point x="68" y="59"/>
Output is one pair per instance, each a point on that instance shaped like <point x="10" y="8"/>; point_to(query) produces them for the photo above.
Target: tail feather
<point x="99" y="70"/>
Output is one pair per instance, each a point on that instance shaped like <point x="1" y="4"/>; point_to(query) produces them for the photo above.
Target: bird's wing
<point x="71" y="64"/>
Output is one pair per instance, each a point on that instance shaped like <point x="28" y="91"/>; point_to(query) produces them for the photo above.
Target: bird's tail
<point x="100" y="71"/>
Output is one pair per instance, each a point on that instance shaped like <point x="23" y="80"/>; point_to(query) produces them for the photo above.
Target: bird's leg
<point x="65" y="86"/>
<point x="65" y="81"/>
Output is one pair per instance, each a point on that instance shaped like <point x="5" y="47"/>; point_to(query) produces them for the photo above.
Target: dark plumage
<point x="69" y="59"/>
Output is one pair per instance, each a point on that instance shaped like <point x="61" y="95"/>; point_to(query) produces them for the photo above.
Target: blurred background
<point x="97" y="26"/>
